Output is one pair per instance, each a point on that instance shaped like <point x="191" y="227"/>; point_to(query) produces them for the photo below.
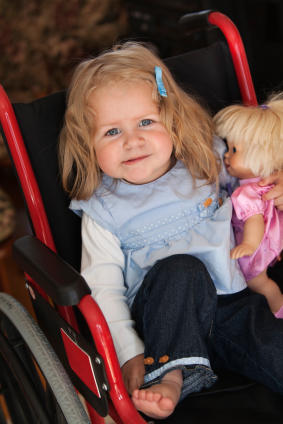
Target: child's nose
<point x="133" y="140"/>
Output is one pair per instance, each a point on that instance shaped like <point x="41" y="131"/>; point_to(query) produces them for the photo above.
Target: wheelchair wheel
<point x="25" y="397"/>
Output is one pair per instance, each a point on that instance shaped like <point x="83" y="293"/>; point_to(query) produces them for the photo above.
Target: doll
<point x="255" y="150"/>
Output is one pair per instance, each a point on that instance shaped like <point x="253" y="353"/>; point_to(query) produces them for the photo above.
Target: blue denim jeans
<point x="173" y="311"/>
<point x="184" y="324"/>
<point x="247" y="338"/>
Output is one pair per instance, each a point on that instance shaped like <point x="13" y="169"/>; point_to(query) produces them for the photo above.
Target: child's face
<point x="234" y="162"/>
<point x="130" y="142"/>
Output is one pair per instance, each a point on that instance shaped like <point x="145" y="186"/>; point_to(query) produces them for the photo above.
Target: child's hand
<point x="244" y="249"/>
<point x="276" y="192"/>
<point x="133" y="373"/>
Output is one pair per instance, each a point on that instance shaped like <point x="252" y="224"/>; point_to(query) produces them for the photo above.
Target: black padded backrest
<point x="40" y="122"/>
<point x="208" y="72"/>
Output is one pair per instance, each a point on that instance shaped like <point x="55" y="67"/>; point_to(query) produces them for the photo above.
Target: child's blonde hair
<point x="261" y="131"/>
<point x="189" y="125"/>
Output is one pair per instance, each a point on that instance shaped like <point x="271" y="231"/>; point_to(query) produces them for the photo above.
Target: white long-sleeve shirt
<point x="102" y="267"/>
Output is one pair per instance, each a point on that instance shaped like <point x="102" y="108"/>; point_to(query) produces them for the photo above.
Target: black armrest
<point x="60" y="281"/>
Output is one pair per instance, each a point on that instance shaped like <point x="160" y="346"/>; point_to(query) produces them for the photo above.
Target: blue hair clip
<point x="160" y="86"/>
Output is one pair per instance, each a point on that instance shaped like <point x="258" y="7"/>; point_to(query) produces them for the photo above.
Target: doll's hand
<point x="244" y="249"/>
<point x="276" y="192"/>
<point x="133" y="373"/>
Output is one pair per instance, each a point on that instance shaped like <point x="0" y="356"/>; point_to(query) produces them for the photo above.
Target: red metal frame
<point x="238" y="56"/>
<point x="93" y="415"/>
<point x="104" y="344"/>
<point x="25" y="171"/>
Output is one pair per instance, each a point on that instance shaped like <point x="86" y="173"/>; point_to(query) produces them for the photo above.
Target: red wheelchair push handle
<point x="209" y="19"/>
<point x="238" y="55"/>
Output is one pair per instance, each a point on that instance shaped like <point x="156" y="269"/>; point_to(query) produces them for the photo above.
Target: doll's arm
<point x="253" y="234"/>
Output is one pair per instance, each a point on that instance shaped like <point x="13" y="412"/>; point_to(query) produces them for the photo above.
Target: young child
<point x="254" y="136"/>
<point x="140" y="162"/>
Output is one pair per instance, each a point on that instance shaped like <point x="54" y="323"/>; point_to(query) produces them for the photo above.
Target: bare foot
<point x="159" y="401"/>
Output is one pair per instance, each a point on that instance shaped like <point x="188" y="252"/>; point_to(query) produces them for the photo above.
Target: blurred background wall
<point x="41" y="40"/>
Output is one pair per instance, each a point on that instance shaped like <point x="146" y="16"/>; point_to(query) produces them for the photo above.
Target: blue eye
<point x="113" y="131"/>
<point x="234" y="149"/>
<point x="145" y="122"/>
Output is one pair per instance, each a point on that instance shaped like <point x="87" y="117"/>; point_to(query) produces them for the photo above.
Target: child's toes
<point x="142" y="394"/>
<point x="157" y="397"/>
<point x="166" y="404"/>
<point x="135" y="394"/>
<point x="149" y="396"/>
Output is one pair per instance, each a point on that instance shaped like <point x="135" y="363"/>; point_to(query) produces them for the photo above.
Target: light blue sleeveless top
<point x="167" y="217"/>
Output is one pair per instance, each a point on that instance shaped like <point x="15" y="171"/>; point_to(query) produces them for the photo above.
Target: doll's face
<point x="234" y="162"/>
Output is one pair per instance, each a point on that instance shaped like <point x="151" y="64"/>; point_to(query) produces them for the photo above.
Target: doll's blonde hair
<point x="189" y="125"/>
<point x="261" y="131"/>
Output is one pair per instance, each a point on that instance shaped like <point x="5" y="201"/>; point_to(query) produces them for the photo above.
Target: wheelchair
<point x="43" y="365"/>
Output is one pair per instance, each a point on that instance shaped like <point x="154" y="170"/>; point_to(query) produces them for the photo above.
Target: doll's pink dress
<point x="247" y="201"/>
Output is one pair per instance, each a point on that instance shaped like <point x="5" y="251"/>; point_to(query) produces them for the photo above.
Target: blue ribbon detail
<point x="158" y="75"/>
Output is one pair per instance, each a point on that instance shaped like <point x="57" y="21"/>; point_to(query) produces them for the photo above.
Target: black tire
<point x="20" y="340"/>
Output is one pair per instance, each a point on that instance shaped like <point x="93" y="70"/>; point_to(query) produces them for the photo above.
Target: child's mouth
<point x="134" y="160"/>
